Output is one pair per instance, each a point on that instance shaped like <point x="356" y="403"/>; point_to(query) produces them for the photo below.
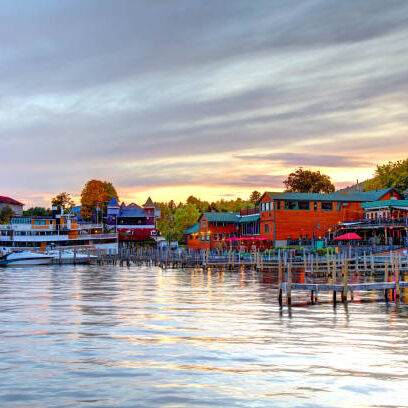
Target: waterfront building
<point x="385" y="222"/>
<point x="287" y="218"/>
<point x="225" y="230"/>
<point x="14" y="205"/>
<point x="134" y="223"/>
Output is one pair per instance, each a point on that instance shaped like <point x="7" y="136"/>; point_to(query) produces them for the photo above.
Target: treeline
<point x="392" y="174"/>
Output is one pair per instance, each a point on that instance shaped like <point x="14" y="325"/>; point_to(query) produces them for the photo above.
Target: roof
<point x="149" y="203"/>
<point x="385" y="204"/>
<point x="249" y="218"/>
<point x="9" y="200"/>
<point x="192" y="230"/>
<point x="228" y="217"/>
<point x="113" y="202"/>
<point x="132" y="210"/>
<point x="363" y="196"/>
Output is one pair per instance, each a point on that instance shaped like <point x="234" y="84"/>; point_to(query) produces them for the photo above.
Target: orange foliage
<point x="94" y="194"/>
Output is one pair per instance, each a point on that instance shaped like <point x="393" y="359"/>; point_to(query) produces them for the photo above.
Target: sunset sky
<point x="211" y="98"/>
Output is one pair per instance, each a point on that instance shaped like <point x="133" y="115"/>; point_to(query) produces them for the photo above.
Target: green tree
<point x="166" y="224"/>
<point x="37" y="211"/>
<point x="63" y="200"/>
<point x="392" y="174"/>
<point x="307" y="181"/>
<point x="5" y="214"/>
<point x="184" y="218"/>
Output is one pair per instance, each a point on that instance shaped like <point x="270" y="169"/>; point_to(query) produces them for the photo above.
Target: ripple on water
<point x="142" y="337"/>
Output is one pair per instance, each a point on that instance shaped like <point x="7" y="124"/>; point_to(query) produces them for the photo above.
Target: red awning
<point x="348" y="236"/>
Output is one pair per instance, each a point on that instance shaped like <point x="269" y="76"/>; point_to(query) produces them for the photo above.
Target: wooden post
<point x="397" y="278"/>
<point x="334" y="283"/>
<point x="280" y="279"/>
<point x="75" y="256"/>
<point x="345" y="281"/>
<point x="386" y="273"/>
<point x="289" y="285"/>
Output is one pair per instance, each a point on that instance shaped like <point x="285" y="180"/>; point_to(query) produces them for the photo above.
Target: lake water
<point x="141" y="337"/>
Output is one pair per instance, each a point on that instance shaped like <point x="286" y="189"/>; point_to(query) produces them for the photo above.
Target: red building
<point x="226" y="230"/>
<point x="294" y="216"/>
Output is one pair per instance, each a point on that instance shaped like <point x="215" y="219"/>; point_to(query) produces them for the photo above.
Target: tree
<point x="37" y="211"/>
<point x="96" y="194"/>
<point x="184" y="218"/>
<point x="5" y="214"/>
<point x="63" y="200"/>
<point x="307" y="181"/>
<point x="166" y="224"/>
<point x="392" y="174"/>
<point x="255" y="197"/>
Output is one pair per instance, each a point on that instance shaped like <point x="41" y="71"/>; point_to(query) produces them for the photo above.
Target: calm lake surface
<point x="141" y="337"/>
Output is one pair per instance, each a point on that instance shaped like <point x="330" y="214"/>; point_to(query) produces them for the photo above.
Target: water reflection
<point x="139" y="336"/>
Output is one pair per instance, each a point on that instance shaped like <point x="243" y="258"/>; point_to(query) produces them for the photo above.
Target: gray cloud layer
<point x="129" y="90"/>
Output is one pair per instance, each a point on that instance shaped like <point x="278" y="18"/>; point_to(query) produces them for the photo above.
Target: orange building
<point x="294" y="216"/>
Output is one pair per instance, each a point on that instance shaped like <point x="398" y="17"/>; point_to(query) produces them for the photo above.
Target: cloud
<point x="169" y="94"/>
<point x="307" y="159"/>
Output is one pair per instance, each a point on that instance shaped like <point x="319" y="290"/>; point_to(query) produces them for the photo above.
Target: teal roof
<point x="192" y="230"/>
<point x="229" y="217"/>
<point x="363" y="196"/>
<point x="385" y="204"/>
<point x="248" y="218"/>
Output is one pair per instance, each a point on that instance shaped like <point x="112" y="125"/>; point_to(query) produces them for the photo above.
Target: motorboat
<point x="17" y="258"/>
<point x="70" y="256"/>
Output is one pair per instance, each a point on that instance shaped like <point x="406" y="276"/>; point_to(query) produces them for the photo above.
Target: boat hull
<point x="26" y="262"/>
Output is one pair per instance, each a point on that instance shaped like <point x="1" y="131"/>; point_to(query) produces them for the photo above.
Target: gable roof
<point x="228" y="217"/>
<point x="132" y="210"/>
<point x="149" y="203"/>
<point x="9" y="200"/>
<point x="192" y="230"/>
<point x="113" y="203"/>
<point x="364" y="196"/>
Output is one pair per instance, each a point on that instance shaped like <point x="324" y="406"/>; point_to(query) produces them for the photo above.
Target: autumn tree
<point x="5" y="214"/>
<point x="392" y="174"/>
<point x="96" y="195"/>
<point x="307" y="181"/>
<point x="63" y="200"/>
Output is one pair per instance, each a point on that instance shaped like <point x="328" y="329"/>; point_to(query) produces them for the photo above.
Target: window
<point x="303" y="205"/>
<point x="278" y="205"/>
<point x="327" y="206"/>
<point x="315" y="206"/>
<point x="266" y="228"/>
<point x="338" y="206"/>
<point x="290" y="205"/>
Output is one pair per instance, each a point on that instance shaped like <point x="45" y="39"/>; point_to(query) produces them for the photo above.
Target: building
<point x="133" y="222"/>
<point x="385" y="223"/>
<point x="225" y="230"/>
<point x="15" y="205"/>
<point x="287" y="218"/>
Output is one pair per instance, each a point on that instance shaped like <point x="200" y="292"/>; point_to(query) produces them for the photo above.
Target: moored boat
<point x="23" y="258"/>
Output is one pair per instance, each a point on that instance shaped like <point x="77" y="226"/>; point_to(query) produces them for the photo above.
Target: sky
<point x="211" y="98"/>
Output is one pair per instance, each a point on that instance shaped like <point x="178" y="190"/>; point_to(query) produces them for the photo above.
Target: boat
<point x="70" y="256"/>
<point x="58" y="230"/>
<point x="19" y="258"/>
